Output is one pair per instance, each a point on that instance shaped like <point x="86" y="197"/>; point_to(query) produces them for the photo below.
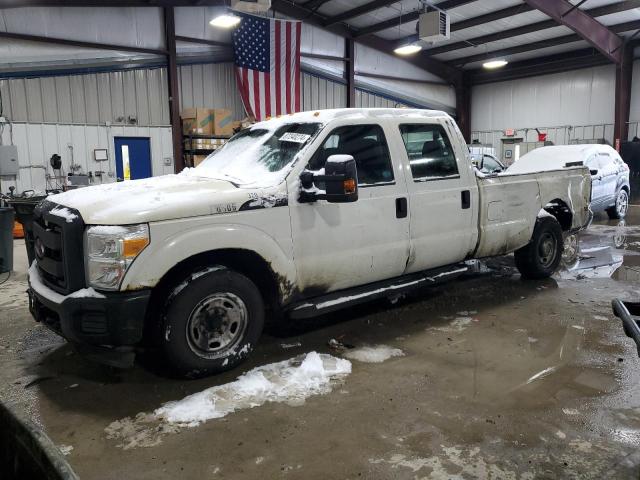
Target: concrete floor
<point x="541" y="383"/>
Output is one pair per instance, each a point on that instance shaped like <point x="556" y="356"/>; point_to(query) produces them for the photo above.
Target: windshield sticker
<point x="295" y="137"/>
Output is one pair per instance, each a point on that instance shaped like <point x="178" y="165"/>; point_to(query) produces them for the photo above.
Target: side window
<point x="366" y="144"/>
<point x="429" y="150"/>
<point x="489" y="165"/>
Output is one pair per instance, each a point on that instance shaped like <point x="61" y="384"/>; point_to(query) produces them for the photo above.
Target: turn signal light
<point x="133" y="246"/>
<point x="349" y="185"/>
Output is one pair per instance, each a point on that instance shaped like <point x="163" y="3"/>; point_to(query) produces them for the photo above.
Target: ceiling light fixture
<point x="492" y="64"/>
<point x="226" y="20"/>
<point x="408" y="49"/>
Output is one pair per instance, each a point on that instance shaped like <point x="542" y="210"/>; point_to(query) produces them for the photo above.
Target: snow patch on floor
<point x="373" y="354"/>
<point x="65" y="449"/>
<point x="458" y="324"/>
<point x="291" y="381"/>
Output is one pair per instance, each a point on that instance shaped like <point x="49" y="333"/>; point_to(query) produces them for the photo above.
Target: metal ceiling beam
<point x="314" y="4"/>
<point x="607" y="42"/>
<point x="551" y="42"/>
<point x="361" y="10"/>
<point x="617" y="7"/>
<point x="409" y="17"/>
<point x="561" y="62"/>
<point x="479" y="20"/>
<point x="82" y="44"/>
<point x="446" y="72"/>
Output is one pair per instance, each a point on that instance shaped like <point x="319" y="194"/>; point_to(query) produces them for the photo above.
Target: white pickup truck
<point x="294" y="217"/>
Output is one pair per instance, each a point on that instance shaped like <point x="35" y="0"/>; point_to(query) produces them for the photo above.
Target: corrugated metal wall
<point x="371" y="100"/>
<point x="94" y="98"/>
<point x="321" y="93"/>
<point x="210" y="85"/>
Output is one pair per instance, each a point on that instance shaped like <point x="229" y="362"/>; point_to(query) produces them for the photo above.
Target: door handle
<point x="401" y="207"/>
<point x="465" y="196"/>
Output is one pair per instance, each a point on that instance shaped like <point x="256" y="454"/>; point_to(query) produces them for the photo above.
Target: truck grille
<point x="58" y="248"/>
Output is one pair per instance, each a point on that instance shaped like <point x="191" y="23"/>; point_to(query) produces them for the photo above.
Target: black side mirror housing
<point x="593" y="172"/>
<point x="340" y="179"/>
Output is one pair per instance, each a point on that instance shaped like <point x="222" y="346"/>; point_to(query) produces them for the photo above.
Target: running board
<point x="386" y="288"/>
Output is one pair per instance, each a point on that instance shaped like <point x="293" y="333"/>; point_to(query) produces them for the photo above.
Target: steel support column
<point x="174" y="100"/>
<point x="350" y="71"/>
<point x="463" y="106"/>
<point x="624" y="73"/>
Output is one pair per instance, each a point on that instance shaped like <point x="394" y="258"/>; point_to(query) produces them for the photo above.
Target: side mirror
<point x="340" y="178"/>
<point x="593" y="172"/>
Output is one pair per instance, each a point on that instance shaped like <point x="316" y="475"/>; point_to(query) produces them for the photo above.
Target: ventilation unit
<point x="434" y="26"/>
<point x="251" y="6"/>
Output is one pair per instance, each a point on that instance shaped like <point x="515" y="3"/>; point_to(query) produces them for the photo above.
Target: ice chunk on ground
<point x="291" y="381"/>
<point x="373" y="354"/>
<point x="65" y="449"/>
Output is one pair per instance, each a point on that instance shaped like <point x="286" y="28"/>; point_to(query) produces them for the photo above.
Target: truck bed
<point x="509" y="202"/>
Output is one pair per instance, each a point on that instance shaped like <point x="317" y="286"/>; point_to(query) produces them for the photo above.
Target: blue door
<point x="133" y="157"/>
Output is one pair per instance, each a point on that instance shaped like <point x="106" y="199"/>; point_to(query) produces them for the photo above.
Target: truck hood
<point x="163" y="198"/>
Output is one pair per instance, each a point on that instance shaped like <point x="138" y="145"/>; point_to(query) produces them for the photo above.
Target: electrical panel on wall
<point x="8" y="161"/>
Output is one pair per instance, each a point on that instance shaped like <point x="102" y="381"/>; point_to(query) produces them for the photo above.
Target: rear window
<point x="429" y="150"/>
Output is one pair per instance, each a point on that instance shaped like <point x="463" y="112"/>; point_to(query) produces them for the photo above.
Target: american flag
<point x="267" y="59"/>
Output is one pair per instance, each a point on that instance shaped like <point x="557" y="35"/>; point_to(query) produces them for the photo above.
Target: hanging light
<point x="409" y="49"/>
<point x="226" y="20"/>
<point x="495" y="63"/>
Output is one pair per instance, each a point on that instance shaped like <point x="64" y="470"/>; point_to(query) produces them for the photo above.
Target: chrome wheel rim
<point x="216" y="325"/>
<point x="547" y="249"/>
<point x="622" y="203"/>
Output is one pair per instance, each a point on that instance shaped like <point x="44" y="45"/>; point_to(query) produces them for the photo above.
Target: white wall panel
<point x="579" y="97"/>
<point x="36" y="143"/>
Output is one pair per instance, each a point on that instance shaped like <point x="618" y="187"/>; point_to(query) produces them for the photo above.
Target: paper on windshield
<point x="294" y="137"/>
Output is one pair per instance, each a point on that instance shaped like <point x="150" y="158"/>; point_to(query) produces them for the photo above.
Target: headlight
<point x="110" y="250"/>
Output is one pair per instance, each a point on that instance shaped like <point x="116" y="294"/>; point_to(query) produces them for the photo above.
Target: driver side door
<point x="341" y="245"/>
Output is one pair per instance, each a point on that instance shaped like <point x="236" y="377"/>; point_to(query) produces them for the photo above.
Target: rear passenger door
<point x="442" y="197"/>
<point x="340" y="245"/>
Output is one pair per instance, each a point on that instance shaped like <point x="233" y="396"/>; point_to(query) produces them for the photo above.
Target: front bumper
<point x="115" y="320"/>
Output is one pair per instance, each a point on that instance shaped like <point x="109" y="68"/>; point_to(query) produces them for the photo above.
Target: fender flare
<point x="157" y="259"/>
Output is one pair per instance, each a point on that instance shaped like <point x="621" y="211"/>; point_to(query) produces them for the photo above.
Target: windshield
<point x="258" y="156"/>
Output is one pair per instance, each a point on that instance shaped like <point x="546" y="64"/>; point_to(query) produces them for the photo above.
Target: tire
<point x="619" y="210"/>
<point x="541" y="257"/>
<point x="211" y="322"/>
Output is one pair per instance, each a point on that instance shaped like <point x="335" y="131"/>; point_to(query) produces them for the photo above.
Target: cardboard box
<point x="198" y="159"/>
<point x="222" y="122"/>
<point x="197" y="121"/>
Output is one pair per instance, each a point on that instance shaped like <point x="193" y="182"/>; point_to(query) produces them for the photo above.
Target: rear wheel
<point x="541" y="257"/>
<point x="211" y="322"/>
<point x="619" y="210"/>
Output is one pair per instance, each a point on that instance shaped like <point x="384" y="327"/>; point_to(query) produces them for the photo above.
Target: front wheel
<point x="211" y="322"/>
<point x="619" y="210"/>
<point x="541" y="257"/>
